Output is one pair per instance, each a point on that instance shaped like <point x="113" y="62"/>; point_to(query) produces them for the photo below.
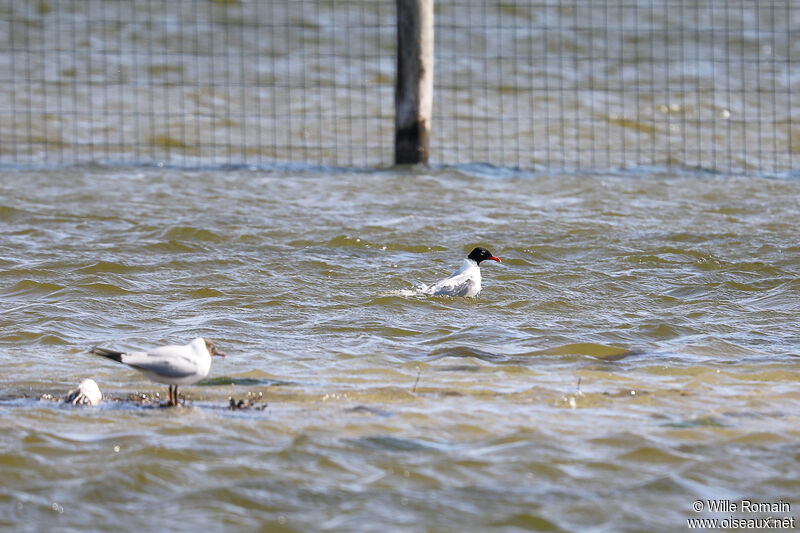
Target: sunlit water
<point x="635" y="351"/>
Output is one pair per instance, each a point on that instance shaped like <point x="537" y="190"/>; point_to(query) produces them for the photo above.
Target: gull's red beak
<point x="217" y="352"/>
<point x="495" y="258"/>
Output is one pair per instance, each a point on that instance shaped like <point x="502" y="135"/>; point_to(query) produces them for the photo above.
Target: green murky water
<point x="635" y="351"/>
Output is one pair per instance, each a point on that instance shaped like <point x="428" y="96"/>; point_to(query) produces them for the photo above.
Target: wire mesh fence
<point x="613" y="83"/>
<point x="580" y="84"/>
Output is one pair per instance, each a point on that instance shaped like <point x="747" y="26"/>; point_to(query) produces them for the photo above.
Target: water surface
<point x="635" y="351"/>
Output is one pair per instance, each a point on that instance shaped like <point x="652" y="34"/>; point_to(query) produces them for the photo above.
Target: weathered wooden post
<point x="413" y="95"/>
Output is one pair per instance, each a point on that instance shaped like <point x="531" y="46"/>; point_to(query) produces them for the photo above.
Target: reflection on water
<point x="635" y="351"/>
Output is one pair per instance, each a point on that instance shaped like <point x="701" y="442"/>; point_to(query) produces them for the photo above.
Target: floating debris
<point x="141" y="398"/>
<point x="87" y="393"/>
<point x="416" y="382"/>
<point x="247" y="403"/>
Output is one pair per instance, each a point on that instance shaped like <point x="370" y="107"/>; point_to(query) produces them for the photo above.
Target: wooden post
<point x="413" y="95"/>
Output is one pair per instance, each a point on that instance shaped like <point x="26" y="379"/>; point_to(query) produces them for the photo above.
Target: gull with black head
<point x="466" y="281"/>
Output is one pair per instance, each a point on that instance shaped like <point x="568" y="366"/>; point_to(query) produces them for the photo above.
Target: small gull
<point x="466" y="281"/>
<point x="172" y="365"/>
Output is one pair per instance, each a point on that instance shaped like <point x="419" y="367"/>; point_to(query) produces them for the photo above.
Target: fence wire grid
<point x="532" y="84"/>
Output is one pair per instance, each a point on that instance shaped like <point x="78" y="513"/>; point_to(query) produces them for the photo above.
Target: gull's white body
<point x="174" y="364"/>
<point x="466" y="281"/>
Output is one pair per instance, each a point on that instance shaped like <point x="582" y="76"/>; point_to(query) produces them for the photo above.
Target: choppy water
<point x="635" y="351"/>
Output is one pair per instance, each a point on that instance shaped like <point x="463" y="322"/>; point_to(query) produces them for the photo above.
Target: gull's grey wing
<point x="452" y="286"/>
<point x="171" y="365"/>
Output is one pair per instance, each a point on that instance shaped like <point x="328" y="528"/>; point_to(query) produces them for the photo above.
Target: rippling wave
<point x="637" y="343"/>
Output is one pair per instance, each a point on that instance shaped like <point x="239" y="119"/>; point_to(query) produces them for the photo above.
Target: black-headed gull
<point x="172" y="365"/>
<point x="466" y="281"/>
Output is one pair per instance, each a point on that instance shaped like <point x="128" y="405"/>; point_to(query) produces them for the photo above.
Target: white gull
<point x="466" y="281"/>
<point x="172" y="365"/>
